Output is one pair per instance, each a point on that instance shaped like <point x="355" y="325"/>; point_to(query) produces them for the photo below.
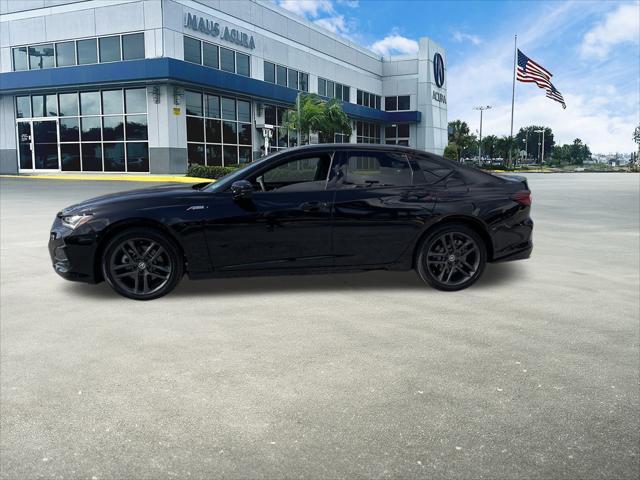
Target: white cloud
<point x="600" y="113"/>
<point x="619" y="26"/>
<point x="460" y="37"/>
<point x="349" y="3"/>
<point x="395" y="44"/>
<point x="583" y="118"/>
<point x="307" y="8"/>
<point x="336" y="24"/>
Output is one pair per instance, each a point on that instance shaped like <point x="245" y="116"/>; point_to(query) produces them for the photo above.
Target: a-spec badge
<point x="196" y="207"/>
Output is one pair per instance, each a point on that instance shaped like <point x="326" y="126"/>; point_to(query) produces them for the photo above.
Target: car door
<point x="379" y="208"/>
<point x="286" y="224"/>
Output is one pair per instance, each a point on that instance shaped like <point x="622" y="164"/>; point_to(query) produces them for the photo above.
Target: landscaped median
<point x="124" y="177"/>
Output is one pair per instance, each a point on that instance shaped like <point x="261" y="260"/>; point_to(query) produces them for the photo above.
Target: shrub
<point x="213" y="172"/>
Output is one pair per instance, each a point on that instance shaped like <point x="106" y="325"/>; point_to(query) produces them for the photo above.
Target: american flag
<point x="531" y="72"/>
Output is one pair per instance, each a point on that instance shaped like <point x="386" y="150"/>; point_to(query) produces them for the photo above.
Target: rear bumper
<point x="520" y="252"/>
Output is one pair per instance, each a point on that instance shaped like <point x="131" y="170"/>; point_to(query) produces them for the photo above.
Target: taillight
<point x="523" y="197"/>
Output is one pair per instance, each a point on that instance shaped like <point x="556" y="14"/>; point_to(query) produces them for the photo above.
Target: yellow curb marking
<point x="121" y="178"/>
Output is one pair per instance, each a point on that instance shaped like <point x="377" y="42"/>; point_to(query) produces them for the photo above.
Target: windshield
<point x="225" y="182"/>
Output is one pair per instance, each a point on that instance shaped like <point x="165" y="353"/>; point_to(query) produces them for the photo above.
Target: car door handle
<point x="313" y="206"/>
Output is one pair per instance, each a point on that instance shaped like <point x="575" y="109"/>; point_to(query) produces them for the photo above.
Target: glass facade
<point x="282" y="137"/>
<point x="367" y="99"/>
<point x="328" y="88"/>
<point x="397" y="134"/>
<point x="113" y="48"/>
<point x="287" y="77"/>
<point x="401" y="102"/>
<point x="367" y="132"/>
<point x="98" y="130"/>
<point x="214" y="56"/>
<point x="218" y="129"/>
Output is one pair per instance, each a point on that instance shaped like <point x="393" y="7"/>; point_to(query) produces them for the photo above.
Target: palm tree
<point x="313" y="114"/>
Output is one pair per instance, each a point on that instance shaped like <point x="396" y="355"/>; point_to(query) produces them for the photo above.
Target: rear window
<point x="433" y="170"/>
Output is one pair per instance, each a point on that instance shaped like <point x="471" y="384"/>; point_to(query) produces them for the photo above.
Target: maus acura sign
<point x="210" y="27"/>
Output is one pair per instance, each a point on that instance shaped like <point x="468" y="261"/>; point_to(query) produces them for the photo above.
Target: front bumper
<point x="73" y="252"/>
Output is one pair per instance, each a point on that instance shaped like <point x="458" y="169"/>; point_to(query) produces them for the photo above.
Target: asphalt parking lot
<point x="531" y="373"/>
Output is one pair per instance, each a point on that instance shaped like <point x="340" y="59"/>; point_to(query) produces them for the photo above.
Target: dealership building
<point x="154" y="86"/>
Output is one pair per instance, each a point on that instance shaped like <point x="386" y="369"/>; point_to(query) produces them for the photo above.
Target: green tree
<point x="489" y="146"/>
<point x="527" y="138"/>
<point x="317" y="115"/>
<point x="636" y="136"/>
<point x="579" y="152"/>
<point x="451" y="152"/>
<point x="460" y="135"/>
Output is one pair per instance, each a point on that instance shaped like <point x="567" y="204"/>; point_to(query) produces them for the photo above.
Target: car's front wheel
<point x="142" y="264"/>
<point x="452" y="257"/>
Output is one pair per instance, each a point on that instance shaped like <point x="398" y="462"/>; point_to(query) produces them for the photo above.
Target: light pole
<point x="482" y="109"/>
<point x="542" y="148"/>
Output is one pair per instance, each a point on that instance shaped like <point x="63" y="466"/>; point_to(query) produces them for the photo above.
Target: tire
<point x="451" y="257"/>
<point x="142" y="264"/>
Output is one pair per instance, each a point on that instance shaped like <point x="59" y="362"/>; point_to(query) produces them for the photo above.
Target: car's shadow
<point x="494" y="275"/>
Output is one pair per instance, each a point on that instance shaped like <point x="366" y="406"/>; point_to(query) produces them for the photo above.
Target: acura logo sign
<point x="438" y="70"/>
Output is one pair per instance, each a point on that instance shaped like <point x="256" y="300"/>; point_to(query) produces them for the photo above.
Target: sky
<point x="591" y="48"/>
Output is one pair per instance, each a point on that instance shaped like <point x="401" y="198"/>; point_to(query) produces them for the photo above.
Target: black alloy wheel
<point x="451" y="258"/>
<point x="142" y="264"/>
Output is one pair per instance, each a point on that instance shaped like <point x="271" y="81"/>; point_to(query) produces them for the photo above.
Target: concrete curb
<point x="116" y="178"/>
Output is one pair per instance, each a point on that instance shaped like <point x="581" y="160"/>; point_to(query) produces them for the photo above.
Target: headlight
<point x="74" y="221"/>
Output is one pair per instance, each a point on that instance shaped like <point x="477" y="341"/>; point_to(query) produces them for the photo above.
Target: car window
<point x="433" y="170"/>
<point x="300" y="174"/>
<point x="376" y="169"/>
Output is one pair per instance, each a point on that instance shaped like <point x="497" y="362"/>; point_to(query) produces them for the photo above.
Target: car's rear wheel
<point x="142" y="264"/>
<point x="452" y="257"/>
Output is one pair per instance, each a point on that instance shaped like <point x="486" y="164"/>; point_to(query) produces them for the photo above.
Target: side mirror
<point x="241" y="190"/>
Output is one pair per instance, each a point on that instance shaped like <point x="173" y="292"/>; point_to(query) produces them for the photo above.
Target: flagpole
<point x="513" y="93"/>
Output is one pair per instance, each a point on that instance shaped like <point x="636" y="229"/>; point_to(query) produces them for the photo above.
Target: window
<point x="301" y="174"/>
<point x="242" y="64"/>
<point x="397" y="134"/>
<point x="112" y="48"/>
<point x="192" y="51"/>
<point x="65" y="54"/>
<point x="221" y="133"/>
<point x="322" y="87"/>
<point x="304" y="81"/>
<point x="41" y="56"/>
<point x="109" y="49"/>
<point x="281" y="75"/>
<point x="210" y="55"/>
<point x="367" y="99"/>
<point x="112" y="102"/>
<point x="391" y="104"/>
<point x="227" y="61"/>
<point x="328" y="88"/>
<point x="293" y="79"/>
<point x="376" y="169"/>
<point x="68" y="104"/>
<point x="20" y="59"/>
<point x="44" y="106"/>
<point x="401" y="102"/>
<point x="87" y="51"/>
<point x="97" y="130"/>
<point x="282" y="137"/>
<point x="23" y="107"/>
<point x="136" y="100"/>
<point x="432" y="169"/>
<point x="269" y="72"/>
<point x="133" y="46"/>
<point x="367" y="132"/>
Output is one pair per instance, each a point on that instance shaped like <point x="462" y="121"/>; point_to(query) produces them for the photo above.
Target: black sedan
<point x="312" y="209"/>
